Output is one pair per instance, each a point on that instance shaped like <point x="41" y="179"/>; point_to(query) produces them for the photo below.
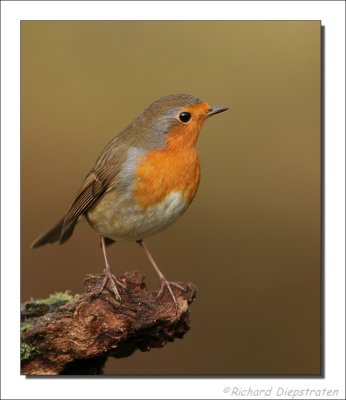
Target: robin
<point x="144" y="179"/>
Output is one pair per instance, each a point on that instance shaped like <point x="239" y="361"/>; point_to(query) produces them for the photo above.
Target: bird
<point x="144" y="179"/>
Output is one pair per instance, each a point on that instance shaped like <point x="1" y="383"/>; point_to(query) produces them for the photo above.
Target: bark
<point x="77" y="336"/>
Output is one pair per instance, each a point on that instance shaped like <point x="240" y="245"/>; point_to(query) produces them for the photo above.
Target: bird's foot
<point x="118" y="282"/>
<point x="108" y="276"/>
<point x="169" y="284"/>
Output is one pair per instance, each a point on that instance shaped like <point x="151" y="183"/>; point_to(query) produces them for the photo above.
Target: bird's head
<point x="174" y="121"/>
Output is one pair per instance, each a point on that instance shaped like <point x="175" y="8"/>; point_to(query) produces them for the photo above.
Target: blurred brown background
<point x="251" y="239"/>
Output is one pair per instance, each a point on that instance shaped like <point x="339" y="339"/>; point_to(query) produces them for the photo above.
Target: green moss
<point x="25" y="326"/>
<point x="39" y="307"/>
<point x="27" y="351"/>
<point x="57" y="297"/>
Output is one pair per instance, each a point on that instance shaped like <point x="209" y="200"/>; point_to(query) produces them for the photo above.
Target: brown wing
<point x="94" y="186"/>
<point x="102" y="177"/>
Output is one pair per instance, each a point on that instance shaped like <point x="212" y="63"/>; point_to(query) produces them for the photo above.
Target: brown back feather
<point x="93" y="188"/>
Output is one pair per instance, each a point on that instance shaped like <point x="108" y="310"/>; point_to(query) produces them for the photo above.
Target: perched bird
<point x="144" y="179"/>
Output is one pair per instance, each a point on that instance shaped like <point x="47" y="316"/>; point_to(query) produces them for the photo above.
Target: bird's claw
<point x="108" y="276"/>
<point x="168" y="284"/>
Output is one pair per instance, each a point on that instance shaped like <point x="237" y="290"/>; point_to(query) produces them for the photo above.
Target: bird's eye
<point x="184" y="117"/>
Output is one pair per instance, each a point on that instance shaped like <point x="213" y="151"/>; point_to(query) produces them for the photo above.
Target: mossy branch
<point x="67" y="334"/>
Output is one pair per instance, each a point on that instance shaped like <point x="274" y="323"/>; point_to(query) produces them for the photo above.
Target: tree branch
<point x="67" y="337"/>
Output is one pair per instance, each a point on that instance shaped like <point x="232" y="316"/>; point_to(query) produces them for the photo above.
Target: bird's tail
<point x="52" y="235"/>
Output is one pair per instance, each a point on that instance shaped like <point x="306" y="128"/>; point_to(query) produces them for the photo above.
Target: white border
<point x="332" y="14"/>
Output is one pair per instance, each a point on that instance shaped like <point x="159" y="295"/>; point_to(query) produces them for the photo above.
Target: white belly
<point x="117" y="218"/>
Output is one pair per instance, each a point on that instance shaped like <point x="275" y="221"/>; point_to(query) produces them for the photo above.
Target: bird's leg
<point x="164" y="281"/>
<point x="108" y="276"/>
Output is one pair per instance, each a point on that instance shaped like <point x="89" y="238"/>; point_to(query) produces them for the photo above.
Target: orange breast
<point x="174" y="168"/>
<point x="165" y="171"/>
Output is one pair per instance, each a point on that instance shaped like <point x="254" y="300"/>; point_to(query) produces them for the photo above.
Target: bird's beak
<point x="215" y="110"/>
